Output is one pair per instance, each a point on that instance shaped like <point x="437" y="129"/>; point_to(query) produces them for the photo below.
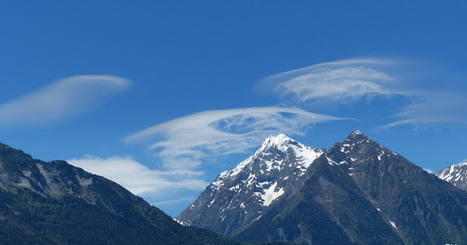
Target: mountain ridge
<point x="455" y="174"/>
<point x="55" y="203"/>
<point x="356" y="192"/>
<point x="255" y="181"/>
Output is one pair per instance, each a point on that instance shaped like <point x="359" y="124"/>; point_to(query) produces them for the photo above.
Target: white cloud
<point x="183" y="143"/>
<point x="431" y="99"/>
<point x="138" y="178"/>
<point x="171" y="202"/>
<point x="428" y="171"/>
<point x="432" y="109"/>
<point x="66" y="98"/>
<point x="343" y="81"/>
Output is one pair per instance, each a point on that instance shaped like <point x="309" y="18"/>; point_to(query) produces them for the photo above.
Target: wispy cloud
<point x="185" y="142"/>
<point x="429" y="171"/>
<point x="349" y="81"/>
<point x="187" y="199"/>
<point x="343" y="81"/>
<point x="138" y="178"/>
<point x="65" y="98"/>
<point x="431" y="109"/>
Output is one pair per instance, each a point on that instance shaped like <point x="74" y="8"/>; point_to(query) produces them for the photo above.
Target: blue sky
<point x="163" y="96"/>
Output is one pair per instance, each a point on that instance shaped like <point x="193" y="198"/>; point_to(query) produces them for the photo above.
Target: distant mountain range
<point x="455" y="174"/>
<point x="357" y="192"/>
<point x="56" y="203"/>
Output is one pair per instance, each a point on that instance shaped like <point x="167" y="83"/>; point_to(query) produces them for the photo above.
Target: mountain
<point x="357" y="192"/>
<point x="239" y="197"/>
<point x="455" y="174"/>
<point x="56" y="203"/>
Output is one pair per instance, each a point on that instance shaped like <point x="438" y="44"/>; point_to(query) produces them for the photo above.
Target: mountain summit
<point x="239" y="196"/>
<point x="356" y="192"/>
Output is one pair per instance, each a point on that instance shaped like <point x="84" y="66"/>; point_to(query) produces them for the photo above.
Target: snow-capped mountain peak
<point x="290" y="192"/>
<point x="276" y="149"/>
<point x="455" y="174"/>
<point x="356" y="132"/>
<point x="255" y="184"/>
<point x="280" y="142"/>
<point x="357" y="136"/>
<point x="268" y="154"/>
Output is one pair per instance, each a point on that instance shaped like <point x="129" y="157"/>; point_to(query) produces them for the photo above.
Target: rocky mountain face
<point x="56" y="203"/>
<point x="239" y="197"/>
<point x="358" y="192"/>
<point x="455" y="174"/>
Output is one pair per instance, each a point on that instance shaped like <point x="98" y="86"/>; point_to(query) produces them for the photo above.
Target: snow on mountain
<point x="455" y="174"/>
<point x="269" y="161"/>
<point x="274" y="170"/>
<point x="278" y="144"/>
<point x="359" y="192"/>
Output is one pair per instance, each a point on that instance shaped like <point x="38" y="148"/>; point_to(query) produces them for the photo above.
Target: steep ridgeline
<point x="358" y="192"/>
<point x="455" y="174"/>
<point x="56" y="203"/>
<point x="361" y="192"/>
<point x="240" y="196"/>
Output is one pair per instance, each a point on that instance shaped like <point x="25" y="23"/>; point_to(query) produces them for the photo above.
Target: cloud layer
<point x="349" y="81"/>
<point x="343" y="81"/>
<point x="183" y="143"/>
<point x="138" y="178"/>
<point x="65" y="98"/>
<point x="432" y="109"/>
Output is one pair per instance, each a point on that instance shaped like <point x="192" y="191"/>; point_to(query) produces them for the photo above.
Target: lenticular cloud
<point x="184" y="142"/>
<point x="66" y="98"/>
<point x="349" y="81"/>
<point x="340" y="81"/>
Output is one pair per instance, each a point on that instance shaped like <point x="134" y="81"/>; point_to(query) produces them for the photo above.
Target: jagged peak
<point x="305" y="155"/>
<point x="453" y="172"/>
<point x="356" y="135"/>
<point x="452" y="168"/>
<point x="358" y="139"/>
<point x="279" y="141"/>
<point x="356" y="132"/>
